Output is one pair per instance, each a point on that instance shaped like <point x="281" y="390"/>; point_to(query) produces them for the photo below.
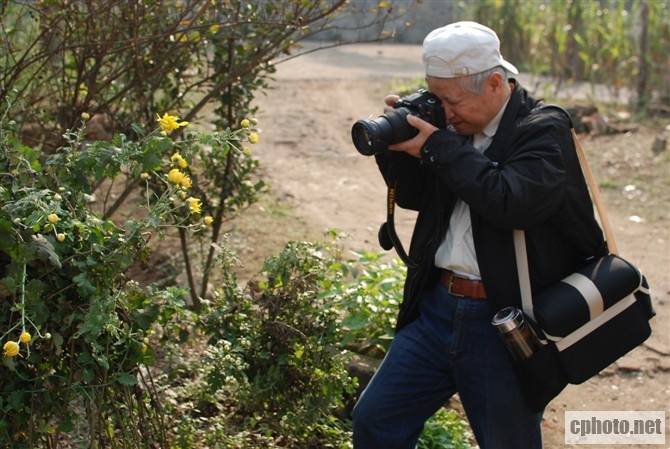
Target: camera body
<point x="371" y="137"/>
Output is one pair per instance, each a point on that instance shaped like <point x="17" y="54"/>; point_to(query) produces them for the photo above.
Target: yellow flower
<point x="245" y="123"/>
<point x="175" y="176"/>
<point x="85" y="115"/>
<point x="194" y="205"/>
<point x="186" y="182"/>
<point x="52" y="218"/>
<point x="246" y="150"/>
<point x="144" y="176"/>
<point x="169" y="122"/>
<point x="253" y="138"/>
<point x="25" y="337"/>
<point x="208" y="220"/>
<point x="60" y="237"/>
<point x="177" y="159"/>
<point x="11" y="348"/>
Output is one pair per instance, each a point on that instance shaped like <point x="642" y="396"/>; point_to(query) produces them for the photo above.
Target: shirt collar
<point x="483" y="139"/>
<point x="492" y="127"/>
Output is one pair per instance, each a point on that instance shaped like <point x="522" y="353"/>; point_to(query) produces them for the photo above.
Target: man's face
<point x="467" y="112"/>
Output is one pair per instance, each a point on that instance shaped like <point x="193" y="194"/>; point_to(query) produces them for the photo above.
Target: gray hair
<point x="475" y="83"/>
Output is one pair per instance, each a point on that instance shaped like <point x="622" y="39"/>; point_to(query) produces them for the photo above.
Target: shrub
<point x="75" y="330"/>
<point x="371" y="300"/>
<point x="445" y="430"/>
<point x="276" y="351"/>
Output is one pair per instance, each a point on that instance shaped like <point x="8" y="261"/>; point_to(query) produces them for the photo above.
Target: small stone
<point x="660" y="143"/>
<point x="664" y="364"/>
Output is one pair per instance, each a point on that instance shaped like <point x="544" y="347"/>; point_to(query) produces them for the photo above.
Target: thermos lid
<point x="507" y="319"/>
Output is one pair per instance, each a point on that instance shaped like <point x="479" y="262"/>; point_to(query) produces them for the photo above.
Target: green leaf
<point x="16" y="399"/>
<point x="44" y="250"/>
<point x="356" y="322"/>
<point x="58" y="342"/>
<point x="84" y="284"/>
<point x="126" y="379"/>
<point x="66" y="425"/>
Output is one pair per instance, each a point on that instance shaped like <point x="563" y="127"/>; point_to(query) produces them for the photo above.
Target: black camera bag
<point x="595" y="316"/>
<point x="588" y="320"/>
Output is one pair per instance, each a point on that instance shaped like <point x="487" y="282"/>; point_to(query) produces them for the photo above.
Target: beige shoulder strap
<point x="520" y="235"/>
<point x="595" y="194"/>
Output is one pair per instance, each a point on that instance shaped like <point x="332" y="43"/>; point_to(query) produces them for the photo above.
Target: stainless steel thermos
<point x="517" y="334"/>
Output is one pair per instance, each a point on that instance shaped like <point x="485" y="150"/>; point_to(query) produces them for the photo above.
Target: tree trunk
<point x="641" y="85"/>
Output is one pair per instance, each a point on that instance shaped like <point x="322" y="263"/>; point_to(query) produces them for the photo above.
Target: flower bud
<point x="25" y="337"/>
<point x="11" y="348"/>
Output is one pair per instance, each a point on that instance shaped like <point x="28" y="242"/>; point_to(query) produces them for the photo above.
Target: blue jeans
<point x="452" y="347"/>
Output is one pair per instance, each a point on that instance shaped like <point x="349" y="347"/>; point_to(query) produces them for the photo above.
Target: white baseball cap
<point x="462" y="48"/>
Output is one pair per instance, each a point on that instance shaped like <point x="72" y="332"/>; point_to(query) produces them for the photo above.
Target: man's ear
<point x="495" y="82"/>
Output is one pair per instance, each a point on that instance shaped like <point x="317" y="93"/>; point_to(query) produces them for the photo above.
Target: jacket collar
<point x="519" y="105"/>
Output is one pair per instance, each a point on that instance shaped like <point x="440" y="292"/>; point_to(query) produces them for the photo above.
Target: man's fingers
<point x="420" y="124"/>
<point x="391" y="99"/>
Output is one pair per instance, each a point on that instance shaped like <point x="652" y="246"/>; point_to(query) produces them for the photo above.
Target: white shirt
<point x="457" y="250"/>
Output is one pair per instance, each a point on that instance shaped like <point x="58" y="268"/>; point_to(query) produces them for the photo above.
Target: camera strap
<point x="388" y="237"/>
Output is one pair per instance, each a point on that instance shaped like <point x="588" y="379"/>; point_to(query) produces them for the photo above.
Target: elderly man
<point x="503" y="162"/>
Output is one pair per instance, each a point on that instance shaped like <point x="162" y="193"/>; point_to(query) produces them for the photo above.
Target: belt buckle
<point x="451" y="283"/>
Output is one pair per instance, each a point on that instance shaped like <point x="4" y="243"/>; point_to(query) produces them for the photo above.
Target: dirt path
<point x="315" y="172"/>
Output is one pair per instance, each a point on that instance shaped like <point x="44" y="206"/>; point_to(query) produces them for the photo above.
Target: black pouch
<point x="595" y="316"/>
<point x="542" y="378"/>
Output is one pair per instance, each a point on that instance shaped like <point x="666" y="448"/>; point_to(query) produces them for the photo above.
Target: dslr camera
<point x="371" y="137"/>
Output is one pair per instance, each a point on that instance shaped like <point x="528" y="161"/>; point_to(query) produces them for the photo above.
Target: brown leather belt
<point x="463" y="287"/>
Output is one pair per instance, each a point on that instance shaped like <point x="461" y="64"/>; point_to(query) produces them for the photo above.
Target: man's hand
<point x="390" y="100"/>
<point x="414" y="145"/>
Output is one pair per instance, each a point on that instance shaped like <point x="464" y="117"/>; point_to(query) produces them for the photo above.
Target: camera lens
<point x="374" y="136"/>
<point x="361" y="134"/>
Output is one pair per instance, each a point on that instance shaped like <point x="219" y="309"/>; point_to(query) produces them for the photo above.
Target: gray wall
<point x="423" y="15"/>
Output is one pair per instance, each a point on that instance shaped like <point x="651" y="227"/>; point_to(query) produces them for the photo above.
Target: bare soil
<point x="320" y="182"/>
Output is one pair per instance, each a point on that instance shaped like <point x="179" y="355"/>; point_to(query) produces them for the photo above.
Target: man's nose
<point x="448" y="112"/>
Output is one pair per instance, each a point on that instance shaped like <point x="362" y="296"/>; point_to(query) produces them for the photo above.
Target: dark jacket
<point x="529" y="178"/>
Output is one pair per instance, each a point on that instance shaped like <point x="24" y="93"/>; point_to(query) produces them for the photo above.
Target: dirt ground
<point x="320" y="182"/>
